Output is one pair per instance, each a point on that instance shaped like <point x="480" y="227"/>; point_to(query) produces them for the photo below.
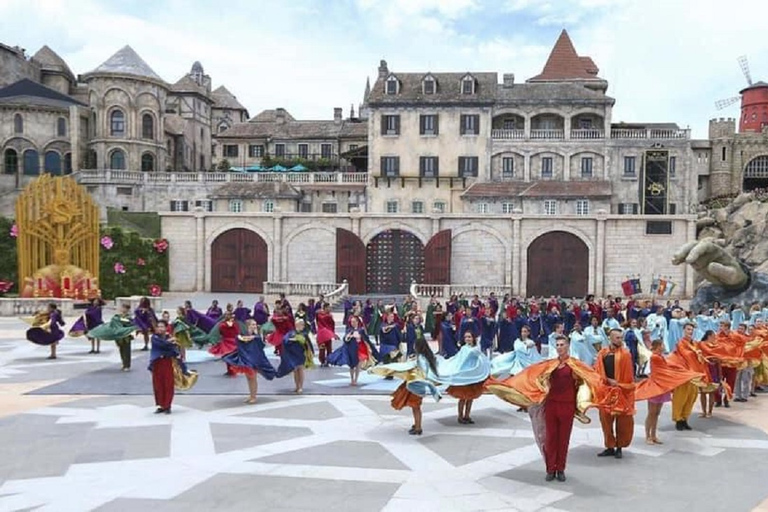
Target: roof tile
<point x="565" y="64"/>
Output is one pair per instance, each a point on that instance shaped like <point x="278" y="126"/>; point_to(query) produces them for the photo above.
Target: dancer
<point x="390" y="338"/>
<point x="164" y="351"/>
<point x="228" y="331"/>
<point x="707" y="395"/>
<point x="120" y="329"/>
<point x="46" y="329"/>
<point x="413" y="332"/>
<point x="145" y="320"/>
<point x="249" y="359"/>
<point x="489" y="330"/>
<point x="214" y="311"/>
<point x="91" y="319"/>
<point x="448" y="343"/>
<point x="554" y="391"/>
<point x="295" y="356"/>
<point x="241" y="313"/>
<point x="326" y="333"/>
<point x="686" y="355"/>
<point x="467" y="393"/>
<point x="357" y="352"/>
<point x="614" y="364"/>
<point x="415" y="386"/>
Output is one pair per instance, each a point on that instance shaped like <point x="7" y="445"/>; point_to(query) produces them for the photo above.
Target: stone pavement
<point x="336" y="452"/>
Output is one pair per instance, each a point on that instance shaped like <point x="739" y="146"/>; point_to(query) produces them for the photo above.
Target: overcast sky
<point x="665" y="60"/>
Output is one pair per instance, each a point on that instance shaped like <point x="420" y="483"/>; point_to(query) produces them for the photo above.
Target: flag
<point x="655" y="286"/>
<point x="626" y="288"/>
<point x="636" y="286"/>
<point x="669" y="288"/>
<point x="662" y="286"/>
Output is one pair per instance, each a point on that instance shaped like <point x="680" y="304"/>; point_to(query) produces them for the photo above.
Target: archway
<point x="393" y="260"/>
<point x="756" y="174"/>
<point x="11" y="161"/>
<point x="558" y="264"/>
<point x="239" y="262"/>
<point x="52" y="163"/>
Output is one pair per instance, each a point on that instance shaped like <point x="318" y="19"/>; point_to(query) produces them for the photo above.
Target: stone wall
<point x="486" y="250"/>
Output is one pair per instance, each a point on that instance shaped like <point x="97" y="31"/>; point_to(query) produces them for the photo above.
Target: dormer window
<point x="429" y="85"/>
<point x="468" y="85"/>
<point x="392" y="85"/>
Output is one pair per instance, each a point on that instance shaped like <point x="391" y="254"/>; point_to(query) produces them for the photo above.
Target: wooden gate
<point x="350" y="260"/>
<point x="558" y="264"/>
<point x="437" y="259"/>
<point x="239" y="261"/>
<point x="394" y="259"/>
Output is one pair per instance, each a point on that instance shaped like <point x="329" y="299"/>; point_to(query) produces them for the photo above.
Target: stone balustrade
<point x="593" y="134"/>
<point x="333" y="292"/>
<point x="650" y="133"/>
<point x="133" y="302"/>
<point x="16" y="306"/>
<point x="445" y="291"/>
<point x="112" y="176"/>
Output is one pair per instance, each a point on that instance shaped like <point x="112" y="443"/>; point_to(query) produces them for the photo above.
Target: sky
<point x="665" y="60"/>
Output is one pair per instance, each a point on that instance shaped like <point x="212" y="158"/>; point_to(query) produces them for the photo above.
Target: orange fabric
<point x="665" y="377"/>
<point x="728" y="349"/>
<point x="403" y="398"/>
<point x="468" y="392"/>
<point x="618" y="429"/>
<point x="689" y="355"/>
<point x="622" y="396"/>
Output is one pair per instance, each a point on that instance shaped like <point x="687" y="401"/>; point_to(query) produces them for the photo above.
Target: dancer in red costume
<point x="326" y="333"/>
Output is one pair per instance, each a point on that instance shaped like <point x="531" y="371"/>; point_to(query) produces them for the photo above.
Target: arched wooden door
<point x="558" y="264"/>
<point x="239" y="261"/>
<point x="350" y="260"/>
<point x="393" y="260"/>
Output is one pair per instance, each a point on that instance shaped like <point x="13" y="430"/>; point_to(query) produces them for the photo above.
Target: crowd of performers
<point x="553" y="358"/>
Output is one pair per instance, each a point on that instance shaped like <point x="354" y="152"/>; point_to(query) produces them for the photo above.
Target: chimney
<point x="383" y="70"/>
<point x="337" y="115"/>
<point x="509" y="80"/>
<point x="280" y="115"/>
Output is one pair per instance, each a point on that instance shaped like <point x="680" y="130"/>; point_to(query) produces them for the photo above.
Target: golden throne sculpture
<point x="58" y="239"/>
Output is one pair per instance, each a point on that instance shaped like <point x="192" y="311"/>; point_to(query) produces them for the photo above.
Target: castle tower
<point x="722" y="134"/>
<point x="754" y="108"/>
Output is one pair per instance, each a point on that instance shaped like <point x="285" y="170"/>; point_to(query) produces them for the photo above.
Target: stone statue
<point x="730" y="280"/>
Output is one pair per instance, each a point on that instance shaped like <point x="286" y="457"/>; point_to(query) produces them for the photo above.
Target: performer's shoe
<point x="550" y="477"/>
<point x="618" y="453"/>
<point x="740" y="400"/>
<point x="145" y="349"/>
<point x="727" y="404"/>
<point x="469" y="421"/>
<point x="415" y="432"/>
<point x="167" y="411"/>
<point x="753" y="395"/>
<point x="679" y="425"/>
<point x="560" y="476"/>
<point x="159" y="410"/>
<point x="686" y="426"/>
<point x="718" y="404"/>
<point x="608" y="452"/>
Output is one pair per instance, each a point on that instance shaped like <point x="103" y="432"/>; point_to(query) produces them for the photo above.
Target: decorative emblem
<point x="656" y="189"/>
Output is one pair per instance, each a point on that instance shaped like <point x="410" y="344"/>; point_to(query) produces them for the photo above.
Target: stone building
<point x="463" y="142"/>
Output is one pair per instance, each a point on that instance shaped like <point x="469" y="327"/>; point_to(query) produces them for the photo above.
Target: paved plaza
<point x="77" y="435"/>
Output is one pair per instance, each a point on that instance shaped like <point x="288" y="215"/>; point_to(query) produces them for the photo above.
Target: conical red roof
<point x="565" y="64"/>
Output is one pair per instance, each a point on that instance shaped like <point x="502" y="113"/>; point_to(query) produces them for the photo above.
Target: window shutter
<point x="437" y="166"/>
<point x="383" y="125"/>
<point x="437" y="118"/>
<point x="476" y="124"/>
<point x="421" y="125"/>
<point x="397" y="125"/>
<point x="673" y="208"/>
<point x="635" y="208"/>
<point x="461" y="166"/>
<point x="462" y="125"/>
<point x="383" y="166"/>
<point x="397" y="165"/>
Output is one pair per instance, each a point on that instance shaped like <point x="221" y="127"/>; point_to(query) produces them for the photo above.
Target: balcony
<point x="650" y="133"/>
<point x="587" y="134"/>
<point x="508" y="134"/>
<point x="547" y="134"/>
<point x="109" y="177"/>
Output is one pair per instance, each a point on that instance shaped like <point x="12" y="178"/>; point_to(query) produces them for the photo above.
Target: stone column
<point x="277" y="245"/>
<point x="599" y="268"/>
<point x="202" y="249"/>
<point x="527" y="167"/>
<point x="567" y="128"/>
<point x="74" y="139"/>
<point x="688" y="272"/>
<point x="515" y="256"/>
<point x="567" y="167"/>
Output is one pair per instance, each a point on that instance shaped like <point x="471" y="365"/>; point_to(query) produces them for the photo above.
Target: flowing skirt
<point x="40" y="336"/>
<point x="224" y="347"/>
<point x="468" y="392"/>
<point x="249" y="358"/>
<point x="403" y="398"/>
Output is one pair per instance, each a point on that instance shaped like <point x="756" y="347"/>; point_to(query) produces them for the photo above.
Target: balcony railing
<point x="508" y="134"/>
<point x="547" y="134"/>
<point x="587" y="134"/>
<point x="109" y="176"/>
<point x="593" y="134"/>
<point x="445" y="291"/>
<point x="650" y="133"/>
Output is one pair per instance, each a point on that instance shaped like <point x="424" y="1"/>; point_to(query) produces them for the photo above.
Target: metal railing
<point x="135" y="177"/>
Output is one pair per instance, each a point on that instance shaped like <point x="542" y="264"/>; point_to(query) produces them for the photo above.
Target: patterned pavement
<point x="337" y="452"/>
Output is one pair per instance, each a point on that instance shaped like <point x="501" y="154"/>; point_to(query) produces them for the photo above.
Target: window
<point x="658" y="227"/>
<point x="585" y="123"/>
<point x="672" y="166"/>
<point x="326" y="150"/>
<point x="546" y="167"/>
<point x="352" y="147"/>
<point x="482" y="208"/>
<point x="628" y="208"/>
<point x="724" y="154"/>
<point x="428" y="166"/>
<point x="417" y="207"/>
<point x="509" y="124"/>
<point x="468" y="85"/>
<point x="256" y="151"/>
<point x="179" y="206"/>
<point x="438" y="207"/>
<point x="470" y="124"/>
<point x="91" y="159"/>
<point x="117" y="123"/>
<point x="390" y="125"/>
<point x="392" y="85"/>
<point x="235" y="206"/>
<point x="330" y="208"/>
<point x="507" y="167"/>
<point x="468" y="166"/>
<point x="52" y="163"/>
<point x="280" y="150"/>
<point x="147" y="126"/>
<point x="230" y="150"/>
<point x="629" y="165"/>
<point x="303" y="150"/>
<point x="11" y="161"/>
<point x="18" y="124"/>
<point x="428" y="124"/>
<point x="205" y="204"/>
<point x="61" y="127"/>
<point x="428" y="85"/>
<point x="305" y="207"/>
<point x="269" y="206"/>
<point x="550" y="207"/>
<point x="672" y="209"/>
<point x="586" y="167"/>
<point x="507" y="208"/>
<point x="147" y="162"/>
<point x="392" y="207"/>
<point x="124" y="191"/>
<point x="117" y="159"/>
<point x="390" y="166"/>
<point x="582" y="207"/>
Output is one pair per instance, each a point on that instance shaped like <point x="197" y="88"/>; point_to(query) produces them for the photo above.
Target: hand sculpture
<point x="713" y="263"/>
